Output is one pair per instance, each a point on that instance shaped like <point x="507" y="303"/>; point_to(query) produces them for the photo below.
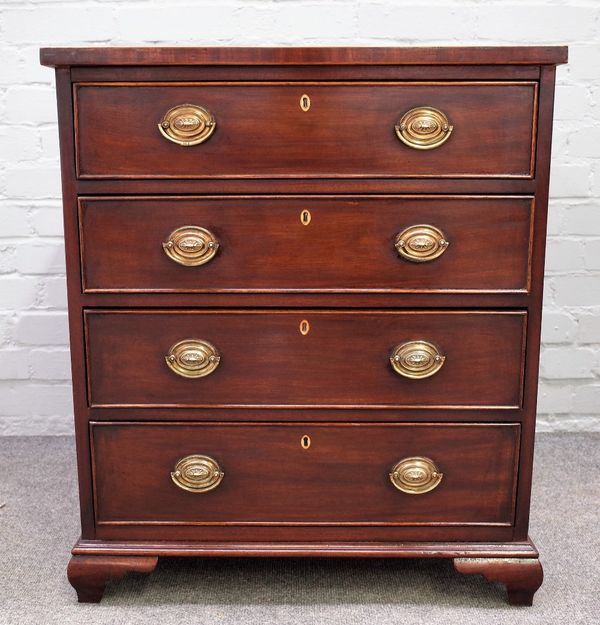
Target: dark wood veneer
<point x="270" y="479"/>
<point x="520" y="576"/>
<point x="321" y="534"/>
<point x="293" y="73"/>
<point x="342" y="361"/>
<point x="90" y="574"/>
<point x="271" y="137"/>
<point x="124" y="186"/>
<point x="239" y="55"/>
<point x="348" y="548"/>
<point x="265" y="247"/>
<point x="325" y="186"/>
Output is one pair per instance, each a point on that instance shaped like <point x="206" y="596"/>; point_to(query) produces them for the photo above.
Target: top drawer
<point x="306" y="130"/>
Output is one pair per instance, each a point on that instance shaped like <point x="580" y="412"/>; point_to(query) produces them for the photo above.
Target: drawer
<point x="304" y="474"/>
<point x="348" y="130"/>
<point x="211" y="358"/>
<point x="385" y="243"/>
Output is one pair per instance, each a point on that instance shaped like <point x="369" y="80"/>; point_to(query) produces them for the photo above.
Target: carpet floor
<point x="39" y="524"/>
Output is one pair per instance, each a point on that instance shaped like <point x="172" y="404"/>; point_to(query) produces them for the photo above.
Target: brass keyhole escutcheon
<point x="304" y="327"/>
<point x="305" y="442"/>
<point x="304" y="102"/>
<point x="305" y="217"/>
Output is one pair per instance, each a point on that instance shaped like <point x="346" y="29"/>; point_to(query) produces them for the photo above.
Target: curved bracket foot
<point x="521" y="576"/>
<point x="90" y="574"/>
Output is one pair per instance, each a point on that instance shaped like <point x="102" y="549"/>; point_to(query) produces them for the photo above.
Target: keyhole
<point x="304" y="102"/>
<point x="305" y="442"/>
<point x="304" y="327"/>
<point x="305" y="217"/>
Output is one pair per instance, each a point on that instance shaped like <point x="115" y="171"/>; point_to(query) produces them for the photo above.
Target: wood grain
<point x="201" y="73"/>
<point x="521" y="576"/>
<point x="347" y="246"/>
<point x="234" y="55"/>
<point x="262" y="132"/>
<point x="270" y="479"/>
<point x="398" y="549"/>
<point x="90" y="574"/>
<point x="535" y="318"/>
<point x="317" y="535"/>
<point x="342" y="361"/>
<point x="324" y="186"/>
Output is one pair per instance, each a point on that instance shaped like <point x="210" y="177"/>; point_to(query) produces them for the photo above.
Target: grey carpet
<point x="38" y="525"/>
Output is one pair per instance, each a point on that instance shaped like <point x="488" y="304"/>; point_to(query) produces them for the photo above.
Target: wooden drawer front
<point x="274" y="359"/>
<point x="346" y="244"/>
<point x="261" y="130"/>
<point x="270" y="478"/>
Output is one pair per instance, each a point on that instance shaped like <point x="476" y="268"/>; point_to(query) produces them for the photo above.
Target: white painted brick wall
<point x="34" y="365"/>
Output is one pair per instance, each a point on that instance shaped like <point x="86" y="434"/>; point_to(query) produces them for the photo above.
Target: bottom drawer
<point x="304" y="474"/>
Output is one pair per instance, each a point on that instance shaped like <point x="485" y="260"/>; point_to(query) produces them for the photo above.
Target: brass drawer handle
<point x="417" y="359"/>
<point x="415" y="475"/>
<point x="423" y="128"/>
<point x="191" y="246"/>
<point x="421" y="243"/>
<point x="187" y="124"/>
<point x="193" y="358"/>
<point x="197" y="474"/>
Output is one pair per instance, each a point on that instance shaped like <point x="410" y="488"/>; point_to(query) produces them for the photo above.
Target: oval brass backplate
<point x="304" y="327"/>
<point x="197" y="474"/>
<point x="421" y="243"/>
<point x="193" y="358"/>
<point x="191" y="246"/>
<point x="415" y="475"/>
<point x="417" y="359"/>
<point x="305" y="442"/>
<point x="423" y="128"/>
<point x="305" y="217"/>
<point x="187" y="124"/>
<point x="304" y="102"/>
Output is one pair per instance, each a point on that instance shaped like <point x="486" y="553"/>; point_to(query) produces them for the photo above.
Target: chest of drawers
<point x="305" y="291"/>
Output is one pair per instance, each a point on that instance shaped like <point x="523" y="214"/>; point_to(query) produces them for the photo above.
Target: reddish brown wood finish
<point x="521" y="576"/>
<point x="90" y="574"/>
<point x="319" y="535"/>
<point x="349" y="300"/>
<point x="234" y="55"/>
<point x="327" y="414"/>
<point x="270" y="479"/>
<point x="412" y="549"/>
<point x="65" y="124"/>
<point x="325" y="186"/>
<point x="208" y="535"/>
<point x="340" y="170"/>
<point x="535" y="316"/>
<point x="347" y="246"/>
<point x="292" y="73"/>
<point x="262" y="132"/>
<point x="342" y="361"/>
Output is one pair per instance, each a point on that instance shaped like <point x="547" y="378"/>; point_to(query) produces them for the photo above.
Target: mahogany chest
<point x="305" y="290"/>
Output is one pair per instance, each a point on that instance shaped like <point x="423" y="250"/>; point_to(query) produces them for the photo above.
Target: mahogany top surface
<point x="451" y="55"/>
